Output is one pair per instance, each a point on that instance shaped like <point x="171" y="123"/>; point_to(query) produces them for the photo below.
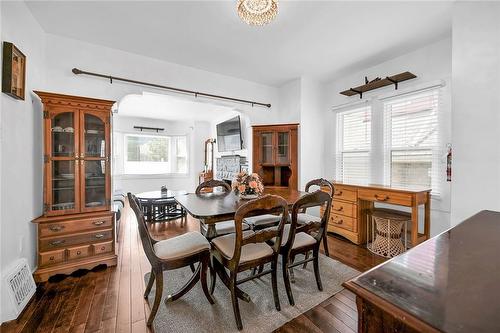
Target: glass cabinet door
<point x="94" y="136"/>
<point x="94" y="184"/>
<point x="283" y="148"/>
<point x="267" y="148"/>
<point x="63" y="193"/>
<point x="63" y="142"/>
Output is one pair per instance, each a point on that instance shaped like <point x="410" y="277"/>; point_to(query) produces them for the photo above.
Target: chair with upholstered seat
<point x="304" y="238"/>
<point x="225" y="227"/>
<point x="244" y="250"/>
<point x="173" y="253"/>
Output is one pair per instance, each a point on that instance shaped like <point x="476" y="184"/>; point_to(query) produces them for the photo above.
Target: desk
<point x="351" y="202"/>
<point x="447" y="284"/>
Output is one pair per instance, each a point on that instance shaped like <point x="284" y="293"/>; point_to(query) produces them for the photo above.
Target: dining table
<point x="215" y="207"/>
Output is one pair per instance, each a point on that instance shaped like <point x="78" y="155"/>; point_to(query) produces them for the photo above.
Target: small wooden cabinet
<point x="77" y="185"/>
<point x="275" y="154"/>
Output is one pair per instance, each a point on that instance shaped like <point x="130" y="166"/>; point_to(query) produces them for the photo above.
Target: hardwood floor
<point x="110" y="299"/>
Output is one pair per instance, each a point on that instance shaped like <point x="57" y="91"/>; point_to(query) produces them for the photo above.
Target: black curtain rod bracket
<point x="77" y="71"/>
<point x="157" y="129"/>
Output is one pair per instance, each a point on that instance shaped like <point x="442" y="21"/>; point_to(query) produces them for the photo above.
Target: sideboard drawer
<point x="396" y="198"/>
<point x="67" y="227"/>
<point x="344" y="193"/>
<point x="343" y="208"/>
<point x="52" y="257"/>
<point x="101" y="248"/>
<point x="78" y="252"/>
<point x="84" y="237"/>
<point x="343" y="222"/>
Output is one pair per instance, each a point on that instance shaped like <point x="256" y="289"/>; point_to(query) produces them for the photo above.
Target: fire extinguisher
<point x="448" y="164"/>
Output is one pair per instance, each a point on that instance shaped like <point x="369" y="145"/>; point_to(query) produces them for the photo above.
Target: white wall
<point x="197" y="133"/>
<point x="21" y="144"/>
<point x="476" y="109"/>
<point x="431" y="64"/>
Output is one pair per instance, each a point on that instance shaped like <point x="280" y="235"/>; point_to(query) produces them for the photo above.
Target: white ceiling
<point x="158" y="106"/>
<point x="320" y="39"/>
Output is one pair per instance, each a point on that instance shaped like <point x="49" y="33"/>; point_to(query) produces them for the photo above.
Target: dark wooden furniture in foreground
<point x="304" y="237"/>
<point x="275" y="154"/>
<point x="375" y="84"/>
<point x="76" y="230"/>
<point x="217" y="207"/>
<point x="241" y="251"/>
<point x="447" y="284"/>
<point x="351" y="202"/>
<point x="174" y="253"/>
<point x="160" y="205"/>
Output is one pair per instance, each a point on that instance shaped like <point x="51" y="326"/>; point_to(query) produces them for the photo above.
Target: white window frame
<point x="340" y="142"/>
<point x="172" y="155"/>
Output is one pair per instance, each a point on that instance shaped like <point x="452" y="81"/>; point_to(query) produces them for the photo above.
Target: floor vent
<point x="19" y="284"/>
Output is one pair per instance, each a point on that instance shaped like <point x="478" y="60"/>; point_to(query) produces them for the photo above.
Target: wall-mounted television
<point x="229" y="135"/>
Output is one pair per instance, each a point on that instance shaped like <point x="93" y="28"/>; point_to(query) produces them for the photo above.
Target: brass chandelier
<point x="257" y="12"/>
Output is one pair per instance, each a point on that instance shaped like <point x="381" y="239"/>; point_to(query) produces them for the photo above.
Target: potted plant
<point x="247" y="186"/>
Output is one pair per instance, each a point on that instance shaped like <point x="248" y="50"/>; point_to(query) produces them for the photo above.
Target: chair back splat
<point x="146" y="239"/>
<point x="213" y="183"/>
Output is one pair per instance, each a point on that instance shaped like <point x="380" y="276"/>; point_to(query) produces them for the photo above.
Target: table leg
<point x="427" y="217"/>
<point x="211" y="232"/>
<point x="414" y="225"/>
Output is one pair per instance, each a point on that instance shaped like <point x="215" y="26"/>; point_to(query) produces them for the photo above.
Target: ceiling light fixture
<point x="257" y="12"/>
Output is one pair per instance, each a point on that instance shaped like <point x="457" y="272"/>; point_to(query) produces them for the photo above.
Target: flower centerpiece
<point x="247" y="186"/>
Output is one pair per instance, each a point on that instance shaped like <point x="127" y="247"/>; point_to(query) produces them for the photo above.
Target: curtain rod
<point x="77" y="71"/>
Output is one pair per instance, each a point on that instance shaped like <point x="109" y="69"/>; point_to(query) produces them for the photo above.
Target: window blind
<point x="411" y="140"/>
<point x="354" y="145"/>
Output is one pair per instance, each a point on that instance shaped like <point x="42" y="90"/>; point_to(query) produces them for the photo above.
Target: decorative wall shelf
<point x="379" y="83"/>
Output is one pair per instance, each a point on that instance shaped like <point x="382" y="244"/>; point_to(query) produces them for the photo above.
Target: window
<point x="354" y="145"/>
<point x="154" y="154"/>
<point x="411" y="140"/>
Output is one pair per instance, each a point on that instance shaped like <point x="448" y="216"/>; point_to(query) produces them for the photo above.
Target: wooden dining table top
<point x="221" y="206"/>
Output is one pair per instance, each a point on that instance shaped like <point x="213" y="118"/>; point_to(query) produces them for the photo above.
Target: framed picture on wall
<point x="14" y="71"/>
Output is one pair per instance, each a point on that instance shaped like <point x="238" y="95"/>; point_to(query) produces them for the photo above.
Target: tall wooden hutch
<point x="275" y="154"/>
<point x="77" y="227"/>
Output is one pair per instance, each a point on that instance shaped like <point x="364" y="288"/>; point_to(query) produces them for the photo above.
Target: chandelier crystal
<point x="257" y="12"/>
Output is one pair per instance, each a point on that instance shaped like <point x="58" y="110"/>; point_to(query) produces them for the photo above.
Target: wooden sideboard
<point x="448" y="284"/>
<point x="77" y="227"/>
<point x="352" y="202"/>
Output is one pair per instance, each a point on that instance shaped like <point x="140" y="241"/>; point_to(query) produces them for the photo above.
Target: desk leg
<point x="414" y="225"/>
<point x="427" y="218"/>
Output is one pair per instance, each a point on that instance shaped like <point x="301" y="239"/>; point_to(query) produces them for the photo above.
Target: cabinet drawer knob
<point x="339" y="221"/>
<point x="57" y="242"/>
<point x="56" y="227"/>
<point x="78" y="253"/>
<point x="98" y="222"/>
<point x="103" y="248"/>
<point x="338" y="193"/>
<point x="384" y="198"/>
<point x="339" y="209"/>
<point x="98" y="236"/>
<point x="51" y="258"/>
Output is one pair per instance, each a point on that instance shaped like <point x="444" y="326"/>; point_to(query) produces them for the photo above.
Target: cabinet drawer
<point x="343" y="222"/>
<point x="68" y="227"/>
<point x="78" y="252"/>
<point x="84" y="237"/>
<point x="344" y="208"/>
<point x="395" y="198"/>
<point x="52" y="257"/>
<point x="344" y="193"/>
<point x="101" y="248"/>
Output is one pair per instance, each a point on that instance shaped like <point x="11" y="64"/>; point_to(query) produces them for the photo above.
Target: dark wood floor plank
<point x="98" y="303"/>
<point x="349" y="295"/>
<point x="68" y="311"/>
<point x="301" y="324"/>
<point x="321" y="319"/>
<point x="123" y="320"/>
<point x="348" y="310"/>
<point x="85" y="302"/>
<point x="342" y="316"/>
<point x="347" y="301"/>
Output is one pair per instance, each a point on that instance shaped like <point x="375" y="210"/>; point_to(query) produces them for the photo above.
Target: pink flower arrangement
<point x="247" y="184"/>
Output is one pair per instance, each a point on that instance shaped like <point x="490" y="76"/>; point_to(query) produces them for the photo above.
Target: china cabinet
<point x="275" y="154"/>
<point x="77" y="227"/>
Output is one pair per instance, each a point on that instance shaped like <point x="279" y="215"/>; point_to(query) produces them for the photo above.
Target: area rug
<point x="193" y="313"/>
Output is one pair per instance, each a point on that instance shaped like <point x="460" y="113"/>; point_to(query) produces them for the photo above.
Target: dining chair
<point x="303" y="238"/>
<point x="244" y="250"/>
<point x="173" y="253"/>
<point x="225" y="227"/>
<point x="303" y="217"/>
